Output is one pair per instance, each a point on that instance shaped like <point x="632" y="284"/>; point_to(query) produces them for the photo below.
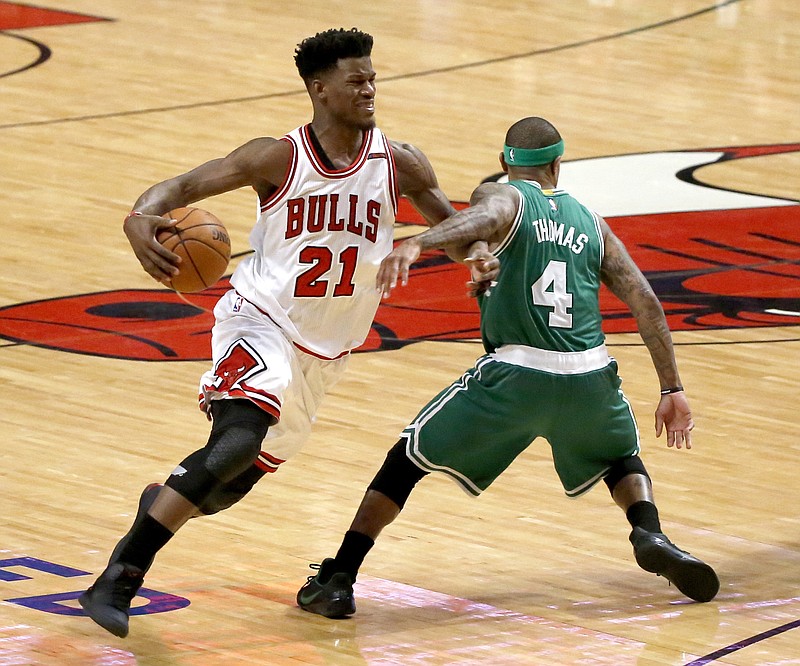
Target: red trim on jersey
<point x="321" y="169"/>
<point x="270" y="458"/>
<point x="315" y="355"/>
<point x="300" y="347"/>
<point x="288" y="177"/>
<point x="393" y="189"/>
<point x="266" y="401"/>
<point x="268" y="463"/>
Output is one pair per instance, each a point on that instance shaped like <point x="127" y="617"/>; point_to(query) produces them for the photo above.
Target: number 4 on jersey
<point x="550" y="291"/>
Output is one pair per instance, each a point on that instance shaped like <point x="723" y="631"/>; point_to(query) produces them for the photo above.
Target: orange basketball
<point x="203" y="244"/>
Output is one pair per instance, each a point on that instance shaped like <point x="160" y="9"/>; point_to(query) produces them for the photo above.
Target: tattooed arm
<point x="621" y="275"/>
<point x="492" y="210"/>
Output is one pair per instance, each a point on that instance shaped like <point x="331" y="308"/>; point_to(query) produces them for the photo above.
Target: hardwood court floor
<point x="681" y="127"/>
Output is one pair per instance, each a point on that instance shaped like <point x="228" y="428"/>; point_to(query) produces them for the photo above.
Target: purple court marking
<point x="36" y="565"/>
<point x="158" y="602"/>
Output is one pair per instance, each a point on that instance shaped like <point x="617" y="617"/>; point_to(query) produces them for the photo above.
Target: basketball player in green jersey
<point x="546" y="372"/>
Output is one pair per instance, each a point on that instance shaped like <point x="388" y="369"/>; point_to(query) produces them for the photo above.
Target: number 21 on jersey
<point x="313" y="282"/>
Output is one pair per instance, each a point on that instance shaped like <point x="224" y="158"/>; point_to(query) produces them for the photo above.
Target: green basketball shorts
<point x="475" y="428"/>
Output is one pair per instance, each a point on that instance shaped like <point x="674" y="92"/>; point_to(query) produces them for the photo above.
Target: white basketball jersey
<point x="319" y="241"/>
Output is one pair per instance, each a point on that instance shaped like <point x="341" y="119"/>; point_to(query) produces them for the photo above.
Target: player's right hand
<point x="157" y="261"/>
<point x="396" y="265"/>
<point x="484" y="268"/>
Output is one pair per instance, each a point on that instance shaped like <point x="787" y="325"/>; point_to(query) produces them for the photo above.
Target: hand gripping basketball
<point x="203" y="244"/>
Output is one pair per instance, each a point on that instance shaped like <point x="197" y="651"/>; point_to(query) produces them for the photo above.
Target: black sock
<point x="645" y="515"/>
<point x="352" y="552"/>
<point x="146" y="540"/>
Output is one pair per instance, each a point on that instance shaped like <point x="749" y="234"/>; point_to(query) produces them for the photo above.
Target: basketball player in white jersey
<point x="300" y="303"/>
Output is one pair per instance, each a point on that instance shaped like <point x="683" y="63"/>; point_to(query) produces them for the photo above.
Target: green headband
<point x="532" y="156"/>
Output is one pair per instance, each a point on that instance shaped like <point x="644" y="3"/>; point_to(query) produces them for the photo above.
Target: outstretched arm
<point x="417" y="182"/>
<point x="259" y="163"/>
<point x="627" y="283"/>
<point x="492" y="211"/>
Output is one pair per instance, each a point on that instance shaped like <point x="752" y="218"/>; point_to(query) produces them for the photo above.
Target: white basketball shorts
<point x="254" y="359"/>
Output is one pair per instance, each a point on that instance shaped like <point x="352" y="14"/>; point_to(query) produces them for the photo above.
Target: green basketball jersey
<point x="546" y="294"/>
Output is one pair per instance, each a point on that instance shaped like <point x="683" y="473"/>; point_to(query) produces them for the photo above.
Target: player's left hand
<point x="674" y="414"/>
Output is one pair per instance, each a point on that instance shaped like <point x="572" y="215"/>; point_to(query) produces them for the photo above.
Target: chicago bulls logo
<point x="239" y="363"/>
<point x="716" y="258"/>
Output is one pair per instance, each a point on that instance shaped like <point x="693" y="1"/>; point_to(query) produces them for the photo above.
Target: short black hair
<point x="532" y="132"/>
<point x="321" y="52"/>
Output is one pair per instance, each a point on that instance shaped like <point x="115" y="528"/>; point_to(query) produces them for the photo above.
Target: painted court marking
<point x="16" y="16"/>
<point x="390" y="593"/>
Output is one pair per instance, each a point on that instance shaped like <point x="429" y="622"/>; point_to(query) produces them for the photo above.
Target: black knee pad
<point x="226" y="495"/>
<point x="238" y="429"/>
<point x="398" y="475"/>
<point x="621" y="468"/>
<point x="191" y="479"/>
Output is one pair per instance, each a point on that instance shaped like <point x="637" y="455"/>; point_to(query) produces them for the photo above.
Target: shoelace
<point x="316" y="566"/>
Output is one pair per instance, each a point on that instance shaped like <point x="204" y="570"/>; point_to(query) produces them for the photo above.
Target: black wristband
<point x="674" y="389"/>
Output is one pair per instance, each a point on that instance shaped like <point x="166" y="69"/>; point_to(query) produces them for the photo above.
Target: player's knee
<point x="622" y="468"/>
<point x="398" y="475"/>
<point x="237" y="432"/>
<point x="238" y="429"/>
<point x="226" y="495"/>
